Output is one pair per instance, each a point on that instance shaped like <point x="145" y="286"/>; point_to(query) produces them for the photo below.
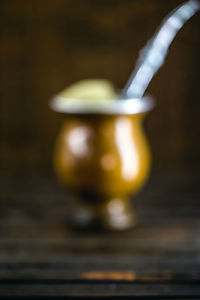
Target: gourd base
<point x="113" y="215"/>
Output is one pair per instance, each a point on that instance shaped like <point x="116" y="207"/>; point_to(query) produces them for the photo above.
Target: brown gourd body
<point x="103" y="159"/>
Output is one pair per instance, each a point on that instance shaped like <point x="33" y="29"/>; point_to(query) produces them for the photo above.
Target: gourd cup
<point x="102" y="156"/>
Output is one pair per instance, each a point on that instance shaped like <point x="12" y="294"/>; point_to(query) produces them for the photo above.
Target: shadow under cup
<point x="102" y="157"/>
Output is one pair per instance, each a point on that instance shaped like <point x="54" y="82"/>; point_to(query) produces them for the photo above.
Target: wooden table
<point x="41" y="257"/>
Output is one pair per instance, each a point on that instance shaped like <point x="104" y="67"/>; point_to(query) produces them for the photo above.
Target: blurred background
<point x="47" y="45"/>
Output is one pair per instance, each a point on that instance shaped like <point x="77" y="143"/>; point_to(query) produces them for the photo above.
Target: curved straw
<point x="152" y="56"/>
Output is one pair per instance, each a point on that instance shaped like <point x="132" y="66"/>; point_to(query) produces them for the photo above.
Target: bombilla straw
<point x="152" y="56"/>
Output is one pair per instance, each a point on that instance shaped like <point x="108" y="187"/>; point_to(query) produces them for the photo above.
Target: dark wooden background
<point x="46" y="45"/>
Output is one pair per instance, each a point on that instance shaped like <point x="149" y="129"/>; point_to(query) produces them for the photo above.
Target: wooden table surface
<point x="41" y="257"/>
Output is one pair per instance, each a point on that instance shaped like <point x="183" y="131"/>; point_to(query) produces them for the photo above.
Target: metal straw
<point x="152" y="56"/>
